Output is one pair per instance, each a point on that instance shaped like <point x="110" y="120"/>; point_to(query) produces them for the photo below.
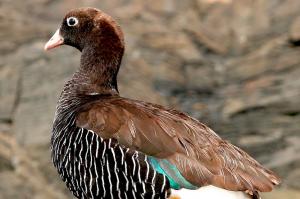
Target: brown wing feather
<point x="198" y="152"/>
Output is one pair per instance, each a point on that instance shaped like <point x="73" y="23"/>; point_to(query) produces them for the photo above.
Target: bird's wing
<point x="200" y="155"/>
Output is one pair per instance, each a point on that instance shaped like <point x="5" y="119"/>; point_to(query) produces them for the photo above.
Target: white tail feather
<point x="208" y="192"/>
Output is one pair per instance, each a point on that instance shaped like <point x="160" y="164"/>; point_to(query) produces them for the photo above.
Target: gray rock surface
<point x="234" y="65"/>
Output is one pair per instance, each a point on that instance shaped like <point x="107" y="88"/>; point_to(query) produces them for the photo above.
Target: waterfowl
<point x="107" y="146"/>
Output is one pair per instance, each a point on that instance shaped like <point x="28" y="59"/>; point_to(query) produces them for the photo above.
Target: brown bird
<point x="107" y="146"/>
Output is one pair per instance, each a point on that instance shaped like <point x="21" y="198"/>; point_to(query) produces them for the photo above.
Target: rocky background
<point x="233" y="64"/>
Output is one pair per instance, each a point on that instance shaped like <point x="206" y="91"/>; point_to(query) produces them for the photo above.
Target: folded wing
<point x="200" y="155"/>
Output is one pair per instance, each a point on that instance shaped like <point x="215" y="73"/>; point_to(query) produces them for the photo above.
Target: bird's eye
<point x="72" y="21"/>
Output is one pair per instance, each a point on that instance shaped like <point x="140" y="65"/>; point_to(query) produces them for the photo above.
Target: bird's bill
<point x="55" y="41"/>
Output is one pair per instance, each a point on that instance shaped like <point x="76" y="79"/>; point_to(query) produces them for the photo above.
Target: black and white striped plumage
<point x="93" y="167"/>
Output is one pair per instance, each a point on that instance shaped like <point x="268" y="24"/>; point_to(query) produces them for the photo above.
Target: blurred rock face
<point x="234" y="65"/>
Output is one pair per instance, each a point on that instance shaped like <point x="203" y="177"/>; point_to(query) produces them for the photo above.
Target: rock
<point x="283" y="193"/>
<point x="200" y="77"/>
<point x="294" y="33"/>
<point x="208" y="40"/>
<point x="18" y="172"/>
<point x="167" y="7"/>
<point x="9" y="85"/>
<point x="39" y="93"/>
<point x="173" y="43"/>
<point x="7" y="145"/>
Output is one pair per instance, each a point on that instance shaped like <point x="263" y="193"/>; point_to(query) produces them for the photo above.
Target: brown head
<point x="100" y="40"/>
<point x="84" y="27"/>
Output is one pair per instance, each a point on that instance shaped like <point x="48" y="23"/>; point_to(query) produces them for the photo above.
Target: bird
<point x="104" y="145"/>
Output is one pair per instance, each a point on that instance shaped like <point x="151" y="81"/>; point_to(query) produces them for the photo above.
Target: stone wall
<point x="233" y="64"/>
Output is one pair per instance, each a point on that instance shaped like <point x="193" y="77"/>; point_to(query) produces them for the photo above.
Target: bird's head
<point x="84" y="27"/>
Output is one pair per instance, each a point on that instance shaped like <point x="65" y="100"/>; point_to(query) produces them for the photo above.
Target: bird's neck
<point x="100" y="65"/>
<point x="96" y="77"/>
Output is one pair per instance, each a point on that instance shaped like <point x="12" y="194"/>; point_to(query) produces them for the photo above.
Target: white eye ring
<point x="72" y="21"/>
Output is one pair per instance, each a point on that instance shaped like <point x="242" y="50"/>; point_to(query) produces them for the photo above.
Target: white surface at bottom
<point x="209" y="192"/>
